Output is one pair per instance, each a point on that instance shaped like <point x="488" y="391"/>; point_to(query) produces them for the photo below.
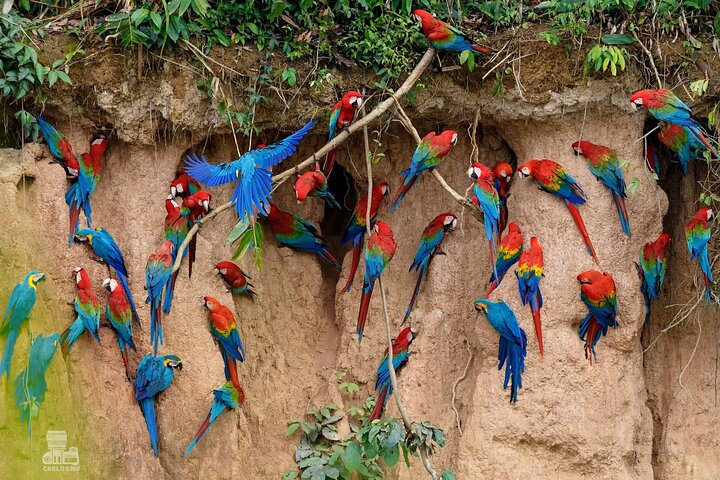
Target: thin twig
<point x="652" y="61"/>
<point x="460" y="379"/>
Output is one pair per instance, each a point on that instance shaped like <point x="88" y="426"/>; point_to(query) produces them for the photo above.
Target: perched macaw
<point x="183" y="185"/>
<point x="487" y="198"/>
<point x="599" y="293"/>
<point x="17" y="313"/>
<point x="87" y="307"/>
<point x="227" y="397"/>
<point x="341" y="116"/>
<point x="508" y="253"/>
<point x="154" y="375"/>
<point x="59" y="148"/>
<point x="653" y="263"/>
<point x="105" y="247"/>
<point x="30" y="385"/>
<point x="697" y="234"/>
<point x="604" y="164"/>
<point x="381" y="247"/>
<point x="251" y="172"/>
<point x="430" y="152"/>
<point x="663" y="105"/>
<point x="652" y="161"/>
<point x="513" y="342"/>
<point x="176" y="230"/>
<point x="119" y="314"/>
<point x="297" y="233"/>
<point x="430" y="241"/>
<point x="78" y="195"/>
<point x="195" y="206"/>
<point x="356" y="228"/>
<point x="158" y="277"/>
<point x="236" y="279"/>
<point x="314" y="184"/>
<point x="551" y="177"/>
<point x="503" y="173"/>
<point x="225" y="332"/>
<point x="443" y="36"/>
<point x="529" y="273"/>
<point x="682" y="141"/>
<point x="400" y="355"/>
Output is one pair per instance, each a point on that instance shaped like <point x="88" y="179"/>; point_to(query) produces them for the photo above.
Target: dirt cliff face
<point x="572" y="418"/>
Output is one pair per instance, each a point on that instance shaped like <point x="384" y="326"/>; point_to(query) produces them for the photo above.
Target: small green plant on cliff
<point x="366" y="451"/>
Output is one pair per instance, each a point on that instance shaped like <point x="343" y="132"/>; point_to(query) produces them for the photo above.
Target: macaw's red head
<point x="526" y="169"/>
<point x="583" y="147"/>
<point x="503" y="171"/>
<point x="425" y="18"/>
<point x="589" y="276"/>
<point x="199" y="199"/>
<point x="449" y="221"/>
<point x="352" y="99"/>
<point x="449" y="137"/>
<point x="82" y="279"/>
<point x="223" y="268"/>
<point x="405" y="337"/>
<point x="260" y="146"/>
<point x="272" y="211"/>
<point x="478" y="170"/>
<point x="648" y="98"/>
<point x="111" y="285"/>
<point x="179" y="186"/>
<point x="705" y="214"/>
<point x="211" y="303"/>
<point x="382" y="229"/>
<point x="663" y="241"/>
<point x="381" y="189"/>
<point x="306" y="183"/>
<point x="513" y="229"/>
<point x="98" y="146"/>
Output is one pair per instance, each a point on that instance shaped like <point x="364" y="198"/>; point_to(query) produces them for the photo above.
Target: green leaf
<point x="291" y="429"/>
<point x="52" y="77"/>
<point x="617" y="39"/>
<point x="391" y="456"/>
<point x="156" y="19"/>
<point x="253" y="28"/>
<point x="464" y="56"/>
<point x="290" y="475"/>
<point x="64" y="77"/>
<point x="325" y="412"/>
<point x="352" y="457"/>
<point x="331" y="434"/>
<point x="448" y="475"/>
<point x="633" y="186"/>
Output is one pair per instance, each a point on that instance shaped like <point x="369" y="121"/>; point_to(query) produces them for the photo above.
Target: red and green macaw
<point x="663" y="105"/>
<point x="604" y="164"/>
<point x="314" y="184"/>
<point x="227" y="397"/>
<point x="235" y="279"/>
<point x="176" y="230"/>
<point x="193" y="208"/>
<point x="598" y="292"/>
<point x="681" y="140"/>
<point x="513" y="342"/>
<point x="529" y="273"/>
<point x="486" y="196"/>
<point x="508" y="253"/>
<point x="356" y="228"/>
<point x="87" y="307"/>
<point x="400" y="355"/>
<point x="297" y="233"/>
<point x="59" y="148"/>
<point x="22" y="300"/>
<point x="430" y="152"/>
<point x="225" y="332"/>
<point x="154" y="375"/>
<point x="503" y="173"/>
<point x="551" y="177"/>
<point x="158" y="278"/>
<point x="443" y="36"/>
<point x="697" y="234"/>
<point x="120" y="315"/>
<point x="652" y="161"/>
<point x="79" y="193"/>
<point x="653" y="263"/>
<point x="381" y="247"/>
<point x="430" y="241"/>
<point x="30" y="384"/>
<point x="184" y="185"/>
<point x="341" y="116"/>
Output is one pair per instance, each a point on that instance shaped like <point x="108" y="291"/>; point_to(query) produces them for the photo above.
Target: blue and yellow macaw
<point x="87" y="307"/>
<point x="153" y="376"/>
<point x="105" y="247"/>
<point x="17" y="313"/>
<point x="251" y="172"/>
<point x="513" y="342"/>
<point x="30" y="385"/>
<point x="227" y="397"/>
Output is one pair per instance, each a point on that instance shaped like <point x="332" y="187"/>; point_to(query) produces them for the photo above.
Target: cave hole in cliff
<point x="342" y="186"/>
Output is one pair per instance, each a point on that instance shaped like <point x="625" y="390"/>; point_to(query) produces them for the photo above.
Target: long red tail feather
<point x="126" y="362"/>
<point x="329" y="162"/>
<point x="583" y="231"/>
<point x="74" y="218"/>
<point x="191" y="255"/>
<point x="231" y="366"/>
<point x="705" y="141"/>
<point x="353" y="268"/>
<point x="362" y="314"/>
<point x="590" y="338"/>
<point x="379" y="404"/>
<point x="538" y="331"/>
<point x="413" y="299"/>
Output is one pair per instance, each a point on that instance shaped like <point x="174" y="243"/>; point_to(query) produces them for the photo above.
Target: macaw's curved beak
<point x="173" y="191"/>
<point x="480" y="307"/>
<point x="39" y="277"/>
<point x="177" y="365"/>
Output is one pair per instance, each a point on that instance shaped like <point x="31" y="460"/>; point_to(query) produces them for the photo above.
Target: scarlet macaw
<point x="251" y="172"/>
<point x="17" y="313"/>
<point x="341" y="116"/>
<point x="487" y="198"/>
<point x="513" y="342"/>
<point x="603" y="163"/>
<point x="154" y="375"/>
<point x="381" y="247"/>
<point x="653" y="264"/>
<point x="508" y="253"/>
<point x="503" y="173"/>
<point x="400" y="355"/>
<point x="314" y="184"/>
<point x="225" y="332"/>
<point x="551" y="177"/>
<point x="235" y="279"/>
<point x="443" y="36"/>
<point x="297" y="233"/>
<point x="120" y="317"/>
<point x="430" y="152"/>
<point x="529" y="274"/>
<point x="227" y="397"/>
<point x="598" y="292"/>
<point x="30" y="384"/>
<point x="356" y="228"/>
<point x="697" y="234"/>
<point x="430" y="241"/>
<point x="87" y="307"/>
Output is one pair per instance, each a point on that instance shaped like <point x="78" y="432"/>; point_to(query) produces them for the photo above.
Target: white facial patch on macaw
<point x="78" y="277"/>
<point x="474" y="172"/>
<point x="454" y="223"/>
<point x="208" y="303"/>
<point x="224" y="271"/>
<point x="578" y="150"/>
<point x="417" y="18"/>
<point x="110" y="284"/>
<point x="710" y="215"/>
<point x="524" y="172"/>
<point x="384" y="189"/>
<point x="206" y="205"/>
<point x="98" y="141"/>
